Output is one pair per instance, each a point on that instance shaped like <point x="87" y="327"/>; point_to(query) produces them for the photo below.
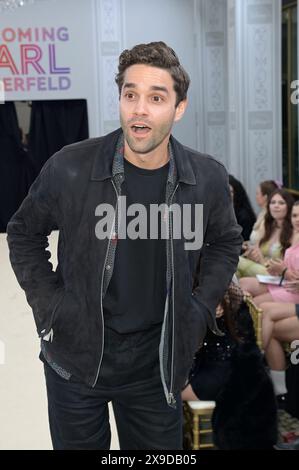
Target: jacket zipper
<point x="169" y="393"/>
<point x="102" y="282"/>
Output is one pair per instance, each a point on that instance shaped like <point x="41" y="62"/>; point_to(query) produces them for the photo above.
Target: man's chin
<point x="140" y="148"/>
<point x="141" y="151"/>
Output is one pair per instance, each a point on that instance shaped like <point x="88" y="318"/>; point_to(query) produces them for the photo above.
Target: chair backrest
<point x="256" y="315"/>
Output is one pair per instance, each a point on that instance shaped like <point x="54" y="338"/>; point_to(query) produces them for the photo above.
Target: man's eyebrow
<point x="130" y="85"/>
<point x="159" y="88"/>
<point x="154" y="87"/>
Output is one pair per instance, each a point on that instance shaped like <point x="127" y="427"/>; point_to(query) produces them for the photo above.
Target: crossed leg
<point x="279" y="324"/>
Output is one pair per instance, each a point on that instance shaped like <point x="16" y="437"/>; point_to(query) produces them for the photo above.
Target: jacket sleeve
<point x="221" y="248"/>
<point x="27" y="237"/>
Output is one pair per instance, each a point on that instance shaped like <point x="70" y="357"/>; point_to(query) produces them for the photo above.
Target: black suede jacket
<point x="68" y="301"/>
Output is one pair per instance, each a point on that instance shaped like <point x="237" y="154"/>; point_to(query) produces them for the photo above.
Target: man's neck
<point x="149" y="161"/>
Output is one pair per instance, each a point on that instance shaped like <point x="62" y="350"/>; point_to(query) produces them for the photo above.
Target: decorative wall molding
<point x="110" y="37"/>
<point x="261" y="72"/>
<point x="234" y="128"/>
<point x="213" y="67"/>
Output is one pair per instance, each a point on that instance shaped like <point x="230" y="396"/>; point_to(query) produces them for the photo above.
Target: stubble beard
<point x="152" y="143"/>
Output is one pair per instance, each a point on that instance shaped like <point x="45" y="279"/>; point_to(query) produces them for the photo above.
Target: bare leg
<point x="275" y="355"/>
<point x="285" y="330"/>
<point x="188" y="394"/>
<point x="252" y="285"/>
<point x="258" y="300"/>
<point x="273" y="312"/>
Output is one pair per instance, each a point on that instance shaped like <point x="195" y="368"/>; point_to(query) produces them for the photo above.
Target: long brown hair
<point x="270" y="223"/>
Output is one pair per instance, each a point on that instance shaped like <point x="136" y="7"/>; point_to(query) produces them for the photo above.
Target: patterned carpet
<point x="287" y="426"/>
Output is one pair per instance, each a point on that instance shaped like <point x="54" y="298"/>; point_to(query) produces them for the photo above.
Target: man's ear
<point x="180" y="110"/>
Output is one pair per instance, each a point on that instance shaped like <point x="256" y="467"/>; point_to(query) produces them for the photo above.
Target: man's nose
<point x="140" y="107"/>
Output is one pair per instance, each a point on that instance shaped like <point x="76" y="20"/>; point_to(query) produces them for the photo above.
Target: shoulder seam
<point x="89" y="143"/>
<point x="205" y="155"/>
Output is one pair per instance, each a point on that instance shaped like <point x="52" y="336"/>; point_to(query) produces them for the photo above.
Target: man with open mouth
<point x="121" y="318"/>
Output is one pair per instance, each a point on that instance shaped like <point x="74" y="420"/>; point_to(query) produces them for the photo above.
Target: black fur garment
<point x="245" y="416"/>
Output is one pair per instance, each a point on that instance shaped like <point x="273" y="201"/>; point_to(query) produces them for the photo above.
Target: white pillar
<point x="212" y="43"/>
<point x="258" y="40"/>
<point x="109" y="14"/>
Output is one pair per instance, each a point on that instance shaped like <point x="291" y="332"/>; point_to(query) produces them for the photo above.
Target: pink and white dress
<point x="279" y="293"/>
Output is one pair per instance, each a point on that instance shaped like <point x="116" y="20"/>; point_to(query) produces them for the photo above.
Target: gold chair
<point x="256" y="315"/>
<point x="197" y="424"/>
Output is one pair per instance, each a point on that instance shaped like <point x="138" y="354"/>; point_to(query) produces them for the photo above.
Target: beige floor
<point x="23" y="406"/>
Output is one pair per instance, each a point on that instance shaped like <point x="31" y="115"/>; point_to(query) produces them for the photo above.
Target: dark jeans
<point x="130" y="379"/>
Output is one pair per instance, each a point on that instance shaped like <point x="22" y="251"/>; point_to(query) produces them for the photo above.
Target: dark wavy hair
<point x="270" y="223"/>
<point x="156" y="54"/>
<point x="241" y="199"/>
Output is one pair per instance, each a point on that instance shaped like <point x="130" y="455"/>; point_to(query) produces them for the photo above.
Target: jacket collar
<point x="182" y="160"/>
<point x="102" y="164"/>
<point x="111" y="148"/>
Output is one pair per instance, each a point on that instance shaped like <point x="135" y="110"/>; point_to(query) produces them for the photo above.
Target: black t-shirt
<point x="136" y="295"/>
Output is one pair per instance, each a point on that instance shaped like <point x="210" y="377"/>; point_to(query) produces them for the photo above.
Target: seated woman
<point x="262" y="195"/>
<point x="288" y="269"/>
<point x="280" y="324"/>
<point x="276" y="238"/>
<point x="229" y="369"/>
